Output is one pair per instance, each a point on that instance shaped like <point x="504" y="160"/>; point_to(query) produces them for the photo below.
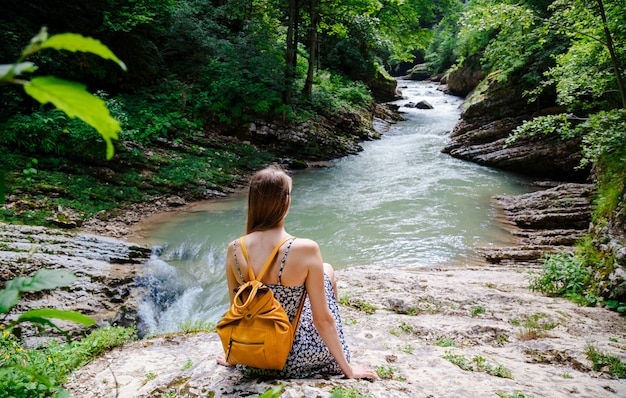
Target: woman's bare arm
<point x="323" y="318"/>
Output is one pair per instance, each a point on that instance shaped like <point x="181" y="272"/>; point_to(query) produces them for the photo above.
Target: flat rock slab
<point x="106" y="269"/>
<point x="480" y="314"/>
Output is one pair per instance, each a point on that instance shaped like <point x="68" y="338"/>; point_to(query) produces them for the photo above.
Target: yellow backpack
<point x="255" y="331"/>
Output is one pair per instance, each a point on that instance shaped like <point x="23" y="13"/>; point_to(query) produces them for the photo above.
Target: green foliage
<point x="533" y="326"/>
<point x="610" y="190"/>
<point x="345" y="392"/>
<point x="385" y="372"/>
<point x="197" y="326"/>
<point x="611" y="364"/>
<point x="445" y="342"/>
<point x="40" y="371"/>
<point x="124" y="16"/>
<point x="333" y="94"/>
<point x="565" y="275"/>
<point x="604" y="136"/>
<point x="358" y="304"/>
<point x="507" y="48"/>
<point x="441" y="54"/>
<point x="273" y="392"/>
<point x="586" y="71"/>
<point x="69" y="97"/>
<point x="478" y="364"/>
<point x="515" y="394"/>
<point x="477" y="310"/>
<point x="26" y="376"/>
<point x="43" y="279"/>
<point x="459" y="360"/>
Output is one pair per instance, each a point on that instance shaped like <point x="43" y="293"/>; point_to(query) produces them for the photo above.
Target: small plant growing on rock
<point x="533" y="326"/>
<point x="343" y="392"/>
<point x="478" y="364"/>
<point x="386" y="372"/>
<point x="445" y="342"/>
<point x="610" y="364"/>
<point x="358" y="304"/>
<point x="515" y="394"/>
<point x="477" y="310"/>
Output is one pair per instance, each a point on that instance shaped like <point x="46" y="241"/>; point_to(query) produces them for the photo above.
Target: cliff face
<point x="492" y="112"/>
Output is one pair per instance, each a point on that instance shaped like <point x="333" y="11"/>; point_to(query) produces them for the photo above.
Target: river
<point x="398" y="203"/>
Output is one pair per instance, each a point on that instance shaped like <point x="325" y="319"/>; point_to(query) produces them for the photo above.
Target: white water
<point x="399" y="203"/>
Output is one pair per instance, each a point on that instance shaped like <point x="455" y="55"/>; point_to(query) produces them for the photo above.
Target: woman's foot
<point x="221" y="360"/>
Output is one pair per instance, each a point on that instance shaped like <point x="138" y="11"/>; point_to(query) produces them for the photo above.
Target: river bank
<point x="464" y="331"/>
<point x="446" y="332"/>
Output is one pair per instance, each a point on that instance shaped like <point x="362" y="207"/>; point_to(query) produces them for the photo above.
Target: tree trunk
<point x="291" y="54"/>
<point x="614" y="60"/>
<point x="308" y="84"/>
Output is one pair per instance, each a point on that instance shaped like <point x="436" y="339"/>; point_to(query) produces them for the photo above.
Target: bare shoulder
<point x="305" y="244"/>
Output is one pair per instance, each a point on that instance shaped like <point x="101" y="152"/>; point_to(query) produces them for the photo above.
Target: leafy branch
<point x="70" y="97"/>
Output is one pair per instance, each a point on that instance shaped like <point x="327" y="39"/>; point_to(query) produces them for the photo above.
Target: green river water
<point x="399" y="203"/>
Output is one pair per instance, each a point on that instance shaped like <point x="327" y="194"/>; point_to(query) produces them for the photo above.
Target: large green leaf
<point x="8" y="298"/>
<point x="74" y="99"/>
<point x="74" y="42"/>
<point x="46" y="313"/>
<point x="43" y="279"/>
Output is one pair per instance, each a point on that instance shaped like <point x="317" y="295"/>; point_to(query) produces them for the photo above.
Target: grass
<point x="477" y="310"/>
<point x="358" y="304"/>
<point x="53" y="362"/>
<point x="197" y="326"/>
<point x="603" y="362"/>
<point x="478" y="364"/>
<point x="407" y="348"/>
<point x="515" y="394"/>
<point x="132" y="176"/>
<point x="445" y="342"/>
<point x="386" y="372"/>
<point x="533" y="326"/>
<point x="345" y="392"/>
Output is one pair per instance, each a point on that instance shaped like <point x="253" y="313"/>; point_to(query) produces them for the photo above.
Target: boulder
<point x="418" y="72"/>
<point x="461" y="81"/>
<point x="383" y="86"/>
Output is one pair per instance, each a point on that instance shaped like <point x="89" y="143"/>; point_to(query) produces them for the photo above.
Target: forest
<point x="200" y="72"/>
<point x="187" y="82"/>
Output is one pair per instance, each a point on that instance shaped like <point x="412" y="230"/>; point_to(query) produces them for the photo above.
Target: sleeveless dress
<point x="309" y="355"/>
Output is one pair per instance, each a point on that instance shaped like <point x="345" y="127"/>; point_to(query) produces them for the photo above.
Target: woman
<point x="319" y="346"/>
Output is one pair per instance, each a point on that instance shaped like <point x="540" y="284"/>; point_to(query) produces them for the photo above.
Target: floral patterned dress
<point x="309" y="355"/>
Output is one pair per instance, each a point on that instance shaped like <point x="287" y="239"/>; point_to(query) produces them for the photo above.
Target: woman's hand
<point x="361" y="372"/>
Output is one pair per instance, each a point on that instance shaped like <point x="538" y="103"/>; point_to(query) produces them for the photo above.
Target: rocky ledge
<point x="106" y="268"/>
<point x="545" y="221"/>
<point x="491" y="114"/>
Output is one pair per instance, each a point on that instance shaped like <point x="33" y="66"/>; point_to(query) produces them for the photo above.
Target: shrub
<point x="563" y="275"/>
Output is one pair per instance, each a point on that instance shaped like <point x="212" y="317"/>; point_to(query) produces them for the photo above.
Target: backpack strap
<point x="268" y="262"/>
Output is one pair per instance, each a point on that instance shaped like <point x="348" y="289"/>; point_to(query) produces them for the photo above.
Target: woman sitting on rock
<point x="319" y="345"/>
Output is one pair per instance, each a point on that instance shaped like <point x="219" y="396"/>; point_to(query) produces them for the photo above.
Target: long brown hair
<point x="267" y="199"/>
